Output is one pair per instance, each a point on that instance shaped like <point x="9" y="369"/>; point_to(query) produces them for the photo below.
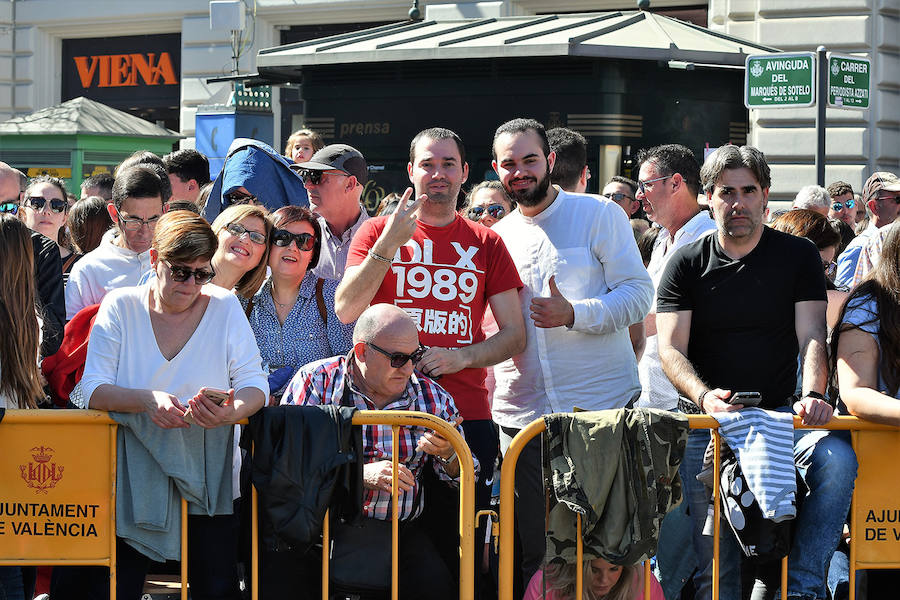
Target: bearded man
<point x="583" y="284"/>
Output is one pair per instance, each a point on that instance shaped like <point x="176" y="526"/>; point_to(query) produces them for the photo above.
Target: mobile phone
<point x="745" y="398"/>
<point x="217" y="396"/>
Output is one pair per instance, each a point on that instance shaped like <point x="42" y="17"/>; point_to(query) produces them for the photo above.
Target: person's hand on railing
<point x="165" y="410"/>
<point x="211" y="412"/>
<point x="813" y="411"/>
<point x="377" y="476"/>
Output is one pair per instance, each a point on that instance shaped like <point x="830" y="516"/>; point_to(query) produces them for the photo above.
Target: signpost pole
<point x="821" y="104"/>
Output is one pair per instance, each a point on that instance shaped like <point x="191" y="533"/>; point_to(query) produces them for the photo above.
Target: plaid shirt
<point x="323" y="382"/>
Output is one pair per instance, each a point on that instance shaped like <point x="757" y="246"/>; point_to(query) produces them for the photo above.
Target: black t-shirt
<point x="742" y="323"/>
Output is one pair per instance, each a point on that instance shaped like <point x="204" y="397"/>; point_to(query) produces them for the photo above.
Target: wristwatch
<point x="446" y="461"/>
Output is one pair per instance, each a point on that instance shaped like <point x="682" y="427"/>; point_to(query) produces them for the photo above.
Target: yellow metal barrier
<point x="53" y="473"/>
<point x="877" y="448"/>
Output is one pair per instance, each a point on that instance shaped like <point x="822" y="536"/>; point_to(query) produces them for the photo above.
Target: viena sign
<point x="780" y="80"/>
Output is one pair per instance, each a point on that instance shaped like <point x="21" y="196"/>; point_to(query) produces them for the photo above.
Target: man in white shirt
<point x="124" y="254"/>
<point x="883" y="203"/>
<point x="334" y="178"/>
<point x="668" y="184"/>
<point x="584" y="284"/>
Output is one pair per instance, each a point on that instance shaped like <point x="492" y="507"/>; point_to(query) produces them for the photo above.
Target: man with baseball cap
<point x="334" y="178"/>
<point x="881" y="195"/>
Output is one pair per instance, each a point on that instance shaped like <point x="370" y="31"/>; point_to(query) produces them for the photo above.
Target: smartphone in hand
<point x="745" y="398"/>
<point x="217" y="396"/>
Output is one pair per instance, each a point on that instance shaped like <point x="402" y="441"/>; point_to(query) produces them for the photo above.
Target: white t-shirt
<point x="122" y="350"/>
<point x="103" y="269"/>
<point x="588" y="245"/>
<point x="656" y="389"/>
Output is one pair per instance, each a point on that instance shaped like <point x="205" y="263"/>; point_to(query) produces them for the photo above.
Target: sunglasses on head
<point x="11" y="207"/>
<point x="398" y="359"/>
<point x="38" y="203"/>
<point x="238" y="231"/>
<point x="304" y="241"/>
<point x="237" y="198"/>
<point x="181" y="274"/>
<point x="838" y="206"/>
<point x="495" y="210"/>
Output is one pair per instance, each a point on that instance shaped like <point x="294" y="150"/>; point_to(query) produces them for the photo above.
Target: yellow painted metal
<point x="579" y="558"/>
<point x="113" y="463"/>
<point x="647" y="576"/>
<point x="784" y="574"/>
<point x="254" y="542"/>
<point x="326" y="543"/>
<point x="395" y="512"/>
<point x="854" y="524"/>
<point x="184" y="550"/>
<point x="717" y="511"/>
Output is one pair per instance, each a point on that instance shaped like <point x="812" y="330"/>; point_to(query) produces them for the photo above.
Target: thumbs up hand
<point x="554" y="311"/>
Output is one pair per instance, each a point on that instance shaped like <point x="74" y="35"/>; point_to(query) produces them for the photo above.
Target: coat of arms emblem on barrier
<point x="41" y="474"/>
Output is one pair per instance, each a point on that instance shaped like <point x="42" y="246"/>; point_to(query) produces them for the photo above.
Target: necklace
<point x="279" y="304"/>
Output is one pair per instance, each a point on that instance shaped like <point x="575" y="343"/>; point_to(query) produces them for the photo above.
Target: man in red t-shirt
<point x="444" y="270"/>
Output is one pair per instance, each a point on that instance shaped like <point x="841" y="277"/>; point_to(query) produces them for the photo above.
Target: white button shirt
<point x="587" y="243"/>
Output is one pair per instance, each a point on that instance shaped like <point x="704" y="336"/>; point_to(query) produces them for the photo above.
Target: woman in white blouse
<point x="154" y="354"/>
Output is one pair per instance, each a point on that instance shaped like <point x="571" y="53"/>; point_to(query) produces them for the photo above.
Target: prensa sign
<point x="141" y="71"/>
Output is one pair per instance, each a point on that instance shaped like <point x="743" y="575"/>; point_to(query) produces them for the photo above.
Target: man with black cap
<point x="334" y="178"/>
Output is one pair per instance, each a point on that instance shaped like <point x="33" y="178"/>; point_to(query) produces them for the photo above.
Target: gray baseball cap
<point x="340" y="157"/>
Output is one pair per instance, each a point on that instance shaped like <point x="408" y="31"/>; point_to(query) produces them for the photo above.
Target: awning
<point x="634" y="35"/>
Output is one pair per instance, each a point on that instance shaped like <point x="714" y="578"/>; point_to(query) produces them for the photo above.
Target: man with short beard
<point x="583" y="284"/>
<point x="444" y="270"/>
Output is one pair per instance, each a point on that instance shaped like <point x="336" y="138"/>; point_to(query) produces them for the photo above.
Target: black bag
<point x="759" y="537"/>
<point x="361" y="556"/>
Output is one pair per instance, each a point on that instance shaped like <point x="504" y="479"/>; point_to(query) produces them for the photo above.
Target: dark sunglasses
<point x="11" y="207"/>
<point x="315" y="177"/>
<point x="304" y="241"/>
<point x="495" y="210"/>
<point x="237" y="198"/>
<point x="619" y="196"/>
<point x="838" y="206"/>
<point x="181" y="274"/>
<point x="238" y="231"/>
<point x="398" y="359"/>
<point x="38" y="203"/>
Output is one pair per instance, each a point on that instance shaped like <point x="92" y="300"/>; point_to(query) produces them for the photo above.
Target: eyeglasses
<point x="839" y="206"/>
<point x="398" y="359"/>
<point x="283" y="238"/>
<point x="133" y="223"/>
<point x="315" y="177"/>
<point x="38" y="203"/>
<point x="238" y="231"/>
<point x="181" y="274"/>
<point x="619" y="197"/>
<point x="643" y="186"/>
<point x="495" y="210"/>
<point x="11" y="207"/>
<point x="895" y="198"/>
<point x="236" y="198"/>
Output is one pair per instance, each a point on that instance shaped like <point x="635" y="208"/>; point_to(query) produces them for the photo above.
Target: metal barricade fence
<point x="878" y="454"/>
<point x="79" y="523"/>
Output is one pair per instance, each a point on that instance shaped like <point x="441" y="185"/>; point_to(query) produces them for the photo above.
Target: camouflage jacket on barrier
<point x="619" y="469"/>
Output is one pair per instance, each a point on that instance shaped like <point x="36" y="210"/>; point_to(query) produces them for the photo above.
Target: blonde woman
<point x="243" y="231"/>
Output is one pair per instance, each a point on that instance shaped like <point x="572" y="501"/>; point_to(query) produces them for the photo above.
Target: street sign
<point x="785" y="80"/>
<point x="848" y="81"/>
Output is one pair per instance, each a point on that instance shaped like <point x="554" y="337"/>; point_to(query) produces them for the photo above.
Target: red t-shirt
<point x="443" y="278"/>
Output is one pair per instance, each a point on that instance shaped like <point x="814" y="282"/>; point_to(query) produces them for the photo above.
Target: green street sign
<point x="848" y="81"/>
<point x="785" y="80"/>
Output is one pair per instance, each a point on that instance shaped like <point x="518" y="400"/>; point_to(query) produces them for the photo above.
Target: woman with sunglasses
<point x="44" y="209"/>
<point x="240" y="262"/>
<point x="487" y="203"/>
<point x="156" y="352"/>
<point x="292" y="315"/>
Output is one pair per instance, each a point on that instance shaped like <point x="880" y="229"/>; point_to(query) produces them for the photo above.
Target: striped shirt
<point x="322" y="382"/>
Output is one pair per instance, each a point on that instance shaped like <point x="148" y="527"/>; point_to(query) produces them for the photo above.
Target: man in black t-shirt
<point x="734" y="311"/>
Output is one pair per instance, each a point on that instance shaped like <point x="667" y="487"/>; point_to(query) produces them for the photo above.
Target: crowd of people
<point x="205" y="302"/>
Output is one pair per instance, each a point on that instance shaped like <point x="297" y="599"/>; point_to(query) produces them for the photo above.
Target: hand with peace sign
<point x="554" y="311"/>
<point x="400" y="225"/>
